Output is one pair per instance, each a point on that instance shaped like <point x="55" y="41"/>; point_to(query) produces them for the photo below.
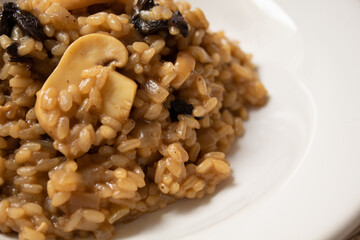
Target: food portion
<point x="110" y="109"/>
<point x="81" y="90"/>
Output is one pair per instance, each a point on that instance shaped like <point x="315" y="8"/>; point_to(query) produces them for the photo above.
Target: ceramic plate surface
<point x="296" y="171"/>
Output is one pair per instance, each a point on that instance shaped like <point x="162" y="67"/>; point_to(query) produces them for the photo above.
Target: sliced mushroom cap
<point x="118" y="89"/>
<point x="86" y="52"/>
<point x="67" y="99"/>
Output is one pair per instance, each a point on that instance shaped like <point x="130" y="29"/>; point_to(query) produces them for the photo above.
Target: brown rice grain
<point x="26" y="171"/>
<point x="129" y="145"/>
<point x="49" y="30"/>
<point x="73" y="221"/>
<point x="29" y="234"/>
<point x="107" y="132"/>
<point x="31" y="188"/>
<point x="86" y="85"/>
<point x="63" y="128"/>
<point x="75" y="93"/>
<point x="65" y="100"/>
<point x="96" y="19"/>
<point x="59" y="49"/>
<point x="26" y="46"/>
<point x="32" y="209"/>
<point x="15" y="212"/>
<point x="111" y="122"/>
<point x="93" y="216"/>
<point x="23" y="156"/>
<point x="140" y="47"/>
<point x="49" y="99"/>
<point x="95" y="97"/>
<point x="114" y="22"/>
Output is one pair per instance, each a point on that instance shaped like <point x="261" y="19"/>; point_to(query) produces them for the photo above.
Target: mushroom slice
<point x="75" y="4"/>
<point x="184" y="65"/>
<point x="81" y="91"/>
<point x="118" y="89"/>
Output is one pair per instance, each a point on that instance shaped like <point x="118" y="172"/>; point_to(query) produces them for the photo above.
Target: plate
<point x="277" y="138"/>
<point x="295" y="173"/>
<point x="321" y="198"/>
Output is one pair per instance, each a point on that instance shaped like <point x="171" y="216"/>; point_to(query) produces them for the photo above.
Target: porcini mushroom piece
<point x="67" y="95"/>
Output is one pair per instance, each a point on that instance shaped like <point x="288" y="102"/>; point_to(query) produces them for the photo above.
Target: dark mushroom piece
<point x="30" y="25"/>
<point x="7" y="22"/>
<point x="21" y="59"/>
<point x="148" y="27"/>
<point x="180" y="107"/>
<point x="12" y="50"/>
<point x="178" y="21"/>
<point x="11" y="15"/>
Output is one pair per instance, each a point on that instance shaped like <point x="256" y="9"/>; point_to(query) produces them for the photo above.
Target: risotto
<point x="110" y="109"/>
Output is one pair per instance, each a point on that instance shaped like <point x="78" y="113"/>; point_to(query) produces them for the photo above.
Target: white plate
<point x="295" y="173"/>
<point x="296" y="170"/>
